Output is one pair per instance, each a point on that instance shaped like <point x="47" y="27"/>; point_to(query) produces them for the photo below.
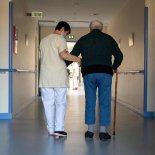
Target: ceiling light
<point x="95" y="14"/>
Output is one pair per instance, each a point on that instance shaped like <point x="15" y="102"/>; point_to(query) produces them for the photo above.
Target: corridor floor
<point x="26" y="134"/>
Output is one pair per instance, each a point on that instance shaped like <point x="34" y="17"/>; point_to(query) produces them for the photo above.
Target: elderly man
<point x="97" y="49"/>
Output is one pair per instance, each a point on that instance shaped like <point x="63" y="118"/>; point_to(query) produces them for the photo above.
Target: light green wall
<point x="4" y="33"/>
<point x="4" y="50"/>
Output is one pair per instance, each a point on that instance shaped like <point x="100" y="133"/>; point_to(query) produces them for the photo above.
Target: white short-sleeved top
<point x="53" y="71"/>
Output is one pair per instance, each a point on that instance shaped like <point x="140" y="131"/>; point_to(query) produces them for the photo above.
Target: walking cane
<point x="115" y="101"/>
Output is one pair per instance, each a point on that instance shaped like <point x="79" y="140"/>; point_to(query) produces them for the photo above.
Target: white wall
<point x="4" y="50"/>
<point x="151" y="56"/>
<point x="24" y="83"/>
<point x="75" y="31"/>
<point x="130" y="20"/>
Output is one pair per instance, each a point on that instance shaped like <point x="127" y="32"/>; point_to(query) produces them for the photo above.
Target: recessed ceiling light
<point x="95" y="14"/>
<point x="76" y="4"/>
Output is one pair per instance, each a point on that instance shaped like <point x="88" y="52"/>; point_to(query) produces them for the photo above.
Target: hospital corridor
<point x="23" y="124"/>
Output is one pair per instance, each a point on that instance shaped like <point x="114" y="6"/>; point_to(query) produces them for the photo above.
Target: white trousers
<point x="54" y="101"/>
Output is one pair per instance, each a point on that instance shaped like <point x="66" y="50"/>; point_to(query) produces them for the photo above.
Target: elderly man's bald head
<point x="96" y="24"/>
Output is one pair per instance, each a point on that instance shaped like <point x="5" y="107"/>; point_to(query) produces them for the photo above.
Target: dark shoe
<point x="60" y="133"/>
<point x="104" y="136"/>
<point x="89" y="134"/>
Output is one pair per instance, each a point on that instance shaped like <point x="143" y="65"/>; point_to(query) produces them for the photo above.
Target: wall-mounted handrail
<point x="33" y="71"/>
<point x="131" y="72"/>
<point x="18" y="70"/>
<point x="25" y="71"/>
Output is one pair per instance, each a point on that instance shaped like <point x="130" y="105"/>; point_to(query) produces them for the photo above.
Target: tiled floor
<point x="26" y="134"/>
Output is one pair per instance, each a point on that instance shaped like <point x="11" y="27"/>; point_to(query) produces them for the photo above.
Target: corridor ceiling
<point x="77" y="12"/>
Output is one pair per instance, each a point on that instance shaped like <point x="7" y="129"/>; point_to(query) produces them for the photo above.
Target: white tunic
<point x="53" y="71"/>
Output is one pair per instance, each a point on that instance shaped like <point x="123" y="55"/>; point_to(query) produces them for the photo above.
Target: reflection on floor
<point x="26" y="134"/>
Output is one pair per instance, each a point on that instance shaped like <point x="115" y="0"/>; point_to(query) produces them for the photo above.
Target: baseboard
<point x="5" y="116"/>
<point x="132" y="108"/>
<point x="24" y="106"/>
<point x="142" y="113"/>
<point x="149" y="114"/>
